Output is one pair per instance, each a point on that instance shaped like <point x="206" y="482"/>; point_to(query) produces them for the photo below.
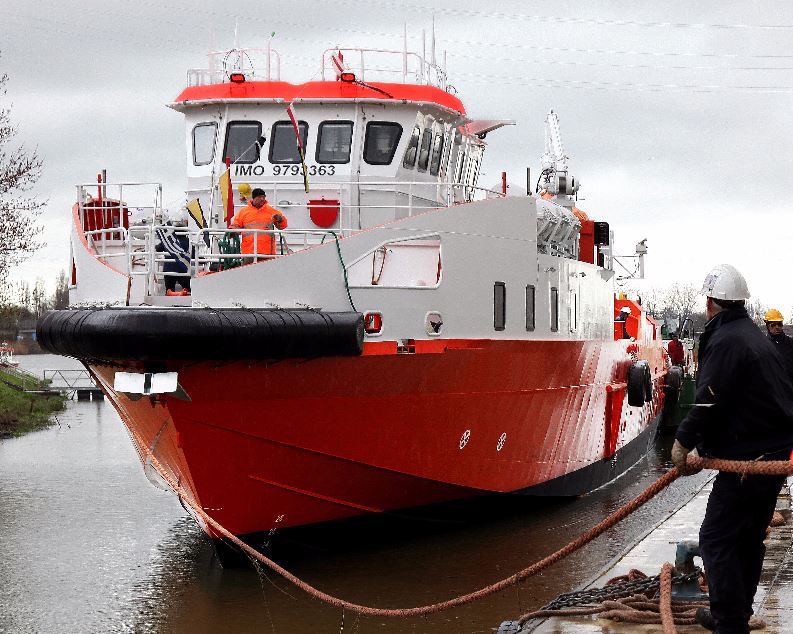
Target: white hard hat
<point x="725" y="282"/>
<point x="625" y="309"/>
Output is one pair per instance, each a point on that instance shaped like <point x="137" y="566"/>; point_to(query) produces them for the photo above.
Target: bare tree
<point x="24" y="297"/>
<point x="41" y="303"/>
<point x="651" y="301"/>
<point x="756" y="310"/>
<point x="682" y="300"/>
<point x="60" y="298"/>
<point x="676" y="305"/>
<point x="19" y="171"/>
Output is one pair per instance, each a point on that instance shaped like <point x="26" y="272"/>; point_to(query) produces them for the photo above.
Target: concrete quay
<point x="773" y="601"/>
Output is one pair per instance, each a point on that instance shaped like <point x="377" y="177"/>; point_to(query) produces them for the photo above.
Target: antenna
<point x="404" y="52"/>
<point x="423" y="53"/>
<point x="236" y="29"/>
<point x="432" y="42"/>
<point x="211" y="57"/>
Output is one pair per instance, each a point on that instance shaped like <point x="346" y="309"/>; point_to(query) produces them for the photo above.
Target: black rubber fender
<point x="648" y="383"/>
<point x="640" y="387"/>
<point x="672" y="386"/>
<point x="674" y="379"/>
<point x="148" y="333"/>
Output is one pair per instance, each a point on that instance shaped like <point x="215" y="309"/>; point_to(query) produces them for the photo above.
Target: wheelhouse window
<point x="334" y="141"/>
<point x="412" y="149"/>
<point x="424" y="152"/>
<point x="499" y="305"/>
<point x="204" y="143"/>
<point x="437" y="153"/>
<point x="380" y="144"/>
<point x="283" y="144"/>
<point x="530" y="306"/>
<point x="241" y="141"/>
<point x="554" y="309"/>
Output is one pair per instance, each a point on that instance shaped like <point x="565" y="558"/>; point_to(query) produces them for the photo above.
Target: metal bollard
<point x="684" y="564"/>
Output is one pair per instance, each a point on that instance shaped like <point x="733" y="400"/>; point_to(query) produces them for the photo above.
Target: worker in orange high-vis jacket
<point x="258" y="214"/>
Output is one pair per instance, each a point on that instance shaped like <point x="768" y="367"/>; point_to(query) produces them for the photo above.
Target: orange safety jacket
<point x="249" y="217"/>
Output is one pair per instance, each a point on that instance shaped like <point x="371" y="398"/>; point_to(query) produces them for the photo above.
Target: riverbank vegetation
<point x="24" y="411"/>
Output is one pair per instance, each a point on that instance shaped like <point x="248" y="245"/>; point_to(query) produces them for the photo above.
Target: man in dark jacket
<point x="784" y="344"/>
<point x="743" y="411"/>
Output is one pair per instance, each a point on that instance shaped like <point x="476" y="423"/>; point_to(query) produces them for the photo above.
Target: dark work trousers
<point x="731" y="543"/>
<point x="171" y="280"/>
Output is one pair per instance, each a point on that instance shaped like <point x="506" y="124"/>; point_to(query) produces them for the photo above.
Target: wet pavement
<point x="774" y="599"/>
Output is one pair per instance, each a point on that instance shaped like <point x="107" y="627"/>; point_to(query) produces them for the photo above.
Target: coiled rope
<point x="758" y="468"/>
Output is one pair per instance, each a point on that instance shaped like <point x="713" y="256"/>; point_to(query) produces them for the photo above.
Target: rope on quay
<point x="765" y="468"/>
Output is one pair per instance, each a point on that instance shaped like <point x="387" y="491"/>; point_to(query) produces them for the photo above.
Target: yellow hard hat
<point x="773" y="315"/>
<point x="245" y="190"/>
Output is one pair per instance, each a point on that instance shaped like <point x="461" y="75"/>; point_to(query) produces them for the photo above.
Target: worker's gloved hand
<point x="278" y="219"/>
<point x="679" y="456"/>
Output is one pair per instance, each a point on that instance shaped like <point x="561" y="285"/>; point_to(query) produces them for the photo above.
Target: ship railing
<point x="207" y="253"/>
<point x="107" y="244"/>
<point x="262" y="64"/>
<point x="102" y="206"/>
<point x="420" y="197"/>
<point x="368" y="64"/>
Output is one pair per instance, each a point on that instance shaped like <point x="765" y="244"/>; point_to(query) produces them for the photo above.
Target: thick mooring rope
<point x="764" y="468"/>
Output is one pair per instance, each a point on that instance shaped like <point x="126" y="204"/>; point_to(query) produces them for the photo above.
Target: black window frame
<point x="554" y="305"/>
<point x="499" y="306"/>
<point x="462" y="164"/>
<point x="205" y="124"/>
<point x="255" y="147"/>
<point x="531" y="307"/>
<point x="385" y="124"/>
<point x="455" y="146"/>
<point x="319" y="141"/>
<point x="304" y="139"/>
<point x="426" y="134"/>
<point x="436" y="154"/>
<point x="413" y="144"/>
<point x="573" y="311"/>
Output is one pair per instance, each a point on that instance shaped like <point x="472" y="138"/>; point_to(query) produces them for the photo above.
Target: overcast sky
<point x="677" y="116"/>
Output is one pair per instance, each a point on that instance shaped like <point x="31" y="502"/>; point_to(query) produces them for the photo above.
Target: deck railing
<point x="130" y="244"/>
<point x="367" y="64"/>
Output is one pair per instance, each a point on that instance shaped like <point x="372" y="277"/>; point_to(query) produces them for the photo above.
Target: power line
<point x="557" y="62"/>
<point x="543" y="19"/>
<point x="508" y="80"/>
<point x="302" y="26"/>
<point x="66" y="28"/>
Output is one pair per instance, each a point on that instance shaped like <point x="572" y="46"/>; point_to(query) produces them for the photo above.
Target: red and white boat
<point x="416" y="338"/>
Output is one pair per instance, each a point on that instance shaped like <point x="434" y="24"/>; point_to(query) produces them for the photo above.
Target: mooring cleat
<point x="509" y="627"/>
<point x="684" y="564"/>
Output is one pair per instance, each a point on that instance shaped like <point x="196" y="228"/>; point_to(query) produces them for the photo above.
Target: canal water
<point x="87" y="544"/>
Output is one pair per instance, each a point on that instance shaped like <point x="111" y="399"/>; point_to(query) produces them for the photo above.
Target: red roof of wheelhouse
<point x="318" y="90"/>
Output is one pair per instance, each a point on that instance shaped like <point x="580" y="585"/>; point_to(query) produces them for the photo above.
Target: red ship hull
<point x="294" y="442"/>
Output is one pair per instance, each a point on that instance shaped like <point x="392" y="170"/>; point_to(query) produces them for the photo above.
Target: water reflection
<point x="399" y="562"/>
<point x="89" y="545"/>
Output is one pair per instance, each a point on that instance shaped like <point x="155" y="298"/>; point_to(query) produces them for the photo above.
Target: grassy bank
<point x="22" y="412"/>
